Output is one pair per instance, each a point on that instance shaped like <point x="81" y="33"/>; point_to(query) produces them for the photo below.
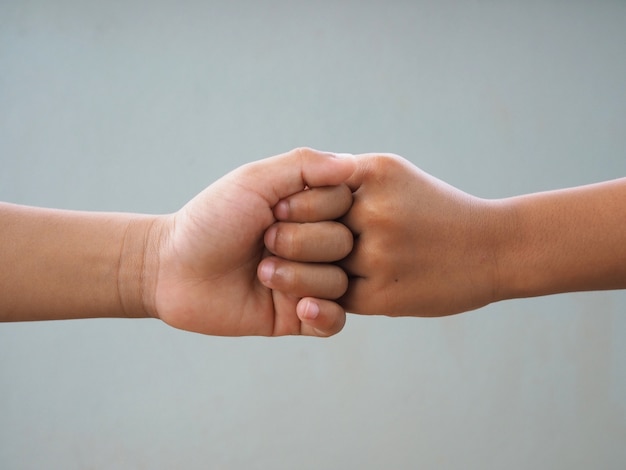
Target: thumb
<point x="278" y="177"/>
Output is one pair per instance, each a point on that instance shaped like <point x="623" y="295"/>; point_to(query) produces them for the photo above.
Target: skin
<point x="425" y="248"/>
<point x="196" y="269"/>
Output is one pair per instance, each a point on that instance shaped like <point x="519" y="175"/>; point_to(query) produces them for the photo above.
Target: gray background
<point x="138" y="105"/>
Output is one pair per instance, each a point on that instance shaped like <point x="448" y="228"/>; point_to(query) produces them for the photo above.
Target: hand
<point x="422" y="247"/>
<point x="208" y="252"/>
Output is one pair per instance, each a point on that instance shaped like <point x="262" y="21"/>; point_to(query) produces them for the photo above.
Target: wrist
<point x="491" y="222"/>
<point x="512" y="244"/>
<point x="139" y="266"/>
<point x="496" y="234"/>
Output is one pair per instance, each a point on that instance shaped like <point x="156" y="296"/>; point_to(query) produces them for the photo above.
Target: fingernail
<point x="266" y="271"/>
<point x="311" y="310"/>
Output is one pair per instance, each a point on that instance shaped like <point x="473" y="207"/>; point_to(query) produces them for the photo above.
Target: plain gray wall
<point x="138" y="105"/>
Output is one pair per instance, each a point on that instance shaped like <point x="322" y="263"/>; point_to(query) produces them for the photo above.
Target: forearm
<point x="64" y="264"/>
<point x="565" y="241"/>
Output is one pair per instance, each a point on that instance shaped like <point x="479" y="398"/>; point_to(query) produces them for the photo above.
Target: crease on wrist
<point x="137" y="269"/>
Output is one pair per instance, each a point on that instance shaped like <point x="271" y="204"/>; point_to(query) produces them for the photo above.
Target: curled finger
<point x="309" y="242"/>
<point x="320" y="317"/>
<point x="324" y="281"/>
<point x="315" y="204"/>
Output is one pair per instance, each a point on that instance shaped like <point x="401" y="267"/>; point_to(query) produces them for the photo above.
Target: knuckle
<point x="339" y="283"/>
<point x="345" y="241"/>
<point x="382" y="164"/>
<point x="345" y="193"/>
<point x="342" y="199"/>
<point x="302" y="149"/>
<point x="343" y="283"/>
<point x="301" y="152"/>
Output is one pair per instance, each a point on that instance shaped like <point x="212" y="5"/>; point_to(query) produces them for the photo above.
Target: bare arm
<point x="565" y="241"/>
<point x="63" y="264"/>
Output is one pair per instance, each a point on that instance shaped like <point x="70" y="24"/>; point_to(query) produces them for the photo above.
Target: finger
<point x="315" y="204"/>
<point x="362" y="260"/>
<point x="313" y="242"/>
<point x="278" y="177"/>
<point x="355" y="219"/>
<point x="373" y="167"/>
<point x="320" y="317"/>
<point x="358" y="298"/>
<point x="325" y="281"/>
<point x="365" y="167"/>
